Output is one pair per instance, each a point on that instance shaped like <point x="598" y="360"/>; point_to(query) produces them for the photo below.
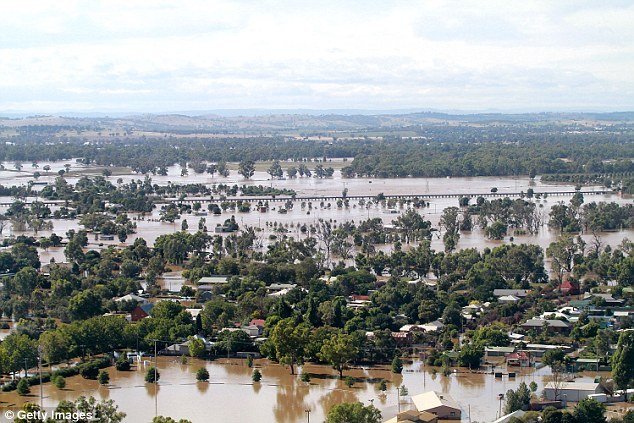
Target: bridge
<point x="285" y="198"/>
<point x="406" y="197"/>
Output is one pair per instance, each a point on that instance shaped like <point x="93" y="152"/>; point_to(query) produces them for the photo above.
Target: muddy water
<point x="231" y="396"/>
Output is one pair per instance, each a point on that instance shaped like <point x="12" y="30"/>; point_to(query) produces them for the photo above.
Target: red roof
<point x="257" y="322"/>
<point x="519" y="355"/>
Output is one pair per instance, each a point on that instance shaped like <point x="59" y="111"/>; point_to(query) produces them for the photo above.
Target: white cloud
<point x="162" y="56"/>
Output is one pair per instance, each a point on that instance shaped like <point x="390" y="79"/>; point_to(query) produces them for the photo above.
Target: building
<point x="521" y="293"/>
<point x="215" y="280"/>
<point x="497" y="351"/>
<point x="571" y="391"/>
<point x="548" y="325"/>
<point x="440" y="405"/>
<point x="413" y="416"/>
<point x="132" y="297"/>
<point x="141" y="312"/>
<point x="508" y="299"/>
<point x="520" y="359"/>
<point x="507" y="418"/>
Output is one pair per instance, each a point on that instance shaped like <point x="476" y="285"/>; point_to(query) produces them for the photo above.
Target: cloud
<point x="164" y="55"/>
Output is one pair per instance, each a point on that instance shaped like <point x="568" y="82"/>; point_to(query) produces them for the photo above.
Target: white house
<point x="571" y="391"/>
<point x="441" y="405"/>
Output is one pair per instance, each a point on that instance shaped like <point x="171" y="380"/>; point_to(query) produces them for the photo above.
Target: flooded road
<point x="231" y="396"/>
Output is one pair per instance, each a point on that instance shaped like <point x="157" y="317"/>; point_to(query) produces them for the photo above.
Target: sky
<point x="200" y="55"/>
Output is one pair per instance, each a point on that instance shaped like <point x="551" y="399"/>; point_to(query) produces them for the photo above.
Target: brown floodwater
<point x="279" y="397"/>
<point x="231" y="396"/>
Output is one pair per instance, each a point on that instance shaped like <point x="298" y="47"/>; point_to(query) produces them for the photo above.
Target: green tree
<point x="397" y="365"/>
<point x="289" y="341"/>
<point x="353" y="413"/>
<point x="104" y="411"/>
<point x="196" y="347"/>
<point x="162" y="419"/>
<point x="338" y="350"/>
<point x="517" y="399"/>
<point x="246" y="168"/>
<point x="623" y="360"/>
<point x="256" y="376"/>
<point x="589" y="410"/>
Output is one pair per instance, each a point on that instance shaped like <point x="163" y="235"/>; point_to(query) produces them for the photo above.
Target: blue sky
<point x="162" y="56"/>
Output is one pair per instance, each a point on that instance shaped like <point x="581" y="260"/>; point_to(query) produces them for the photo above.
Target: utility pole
<point x="155" y="380"/>
<point x="39" y="365"/>
<point x="307" y="415"/>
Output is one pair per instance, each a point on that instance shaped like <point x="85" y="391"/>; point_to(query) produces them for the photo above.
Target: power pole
<point x="39" y="365"/>
<point x="307" y="415"/>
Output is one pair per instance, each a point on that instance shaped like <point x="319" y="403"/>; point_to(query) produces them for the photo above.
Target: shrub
<point x="305" y="377"/>
<point x="60" y="382"/>
<point x="256" y="376"/>
<point x="103" y="378"/>
<point x="89" y="370"/>
<point x="23" y="387"/>
<point x="202" y="375"/>
<point x="152" y="375"/>
<point x="122" y="364"/>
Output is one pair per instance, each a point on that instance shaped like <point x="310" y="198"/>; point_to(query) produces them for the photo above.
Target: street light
<point x="500" y="397"/>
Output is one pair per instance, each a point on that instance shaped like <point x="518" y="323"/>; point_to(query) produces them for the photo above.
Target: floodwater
<point x="231" y="396"/>
<point x="279" y="397"/>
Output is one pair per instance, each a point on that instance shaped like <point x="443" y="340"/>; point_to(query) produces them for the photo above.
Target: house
<point x="141" y="312"/>
<point x="433" y="326"/>
<point x="571" y="391"/>
<point x="517" y="414"/>
<point x="414" y="416"/>
<point x="548" y="325"/>
<point x="215" y="280"/>
<point x="132" y="297"/>
<point x="508" y="299"/>
<point x="521" y="293"/>
<point x="520" y="359"/>
<point x="412" y="328"/>
<point x="402" y="338"/>
<point x="569" y="287"/>
<point x="608" y="300"/>
<point x="440" y="405"/>
<point x="498" y="351"/>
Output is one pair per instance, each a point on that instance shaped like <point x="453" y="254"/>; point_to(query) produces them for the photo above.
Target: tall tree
<point x="289" y="340"/>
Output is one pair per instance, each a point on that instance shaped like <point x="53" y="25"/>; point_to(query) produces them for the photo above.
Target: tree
<point x="397" y="365"/>
<point x="275" y="170"/>
<point x="196" y="347"/>
<point x="161" y="419"/>
<point x="104" y="411"/>
<point x="202" y="375"/>
<point x="353" y="413"/>
<point x="470" y="356"/>
<point x="289" y="341"/>
<point x="623" y="360"/>
<point x="246" y="168"/>
<point x="54" y="346"/>
<point x="517" y="399"/>
<point x="338" y="350"/>
<point x="256" y="376"/>
<point x="589" y="410"/>
<point x="152" y="375"/>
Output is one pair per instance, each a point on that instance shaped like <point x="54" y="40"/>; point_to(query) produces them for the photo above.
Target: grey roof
<point x="515" y="292"/>
<point x="538" y="323"/>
